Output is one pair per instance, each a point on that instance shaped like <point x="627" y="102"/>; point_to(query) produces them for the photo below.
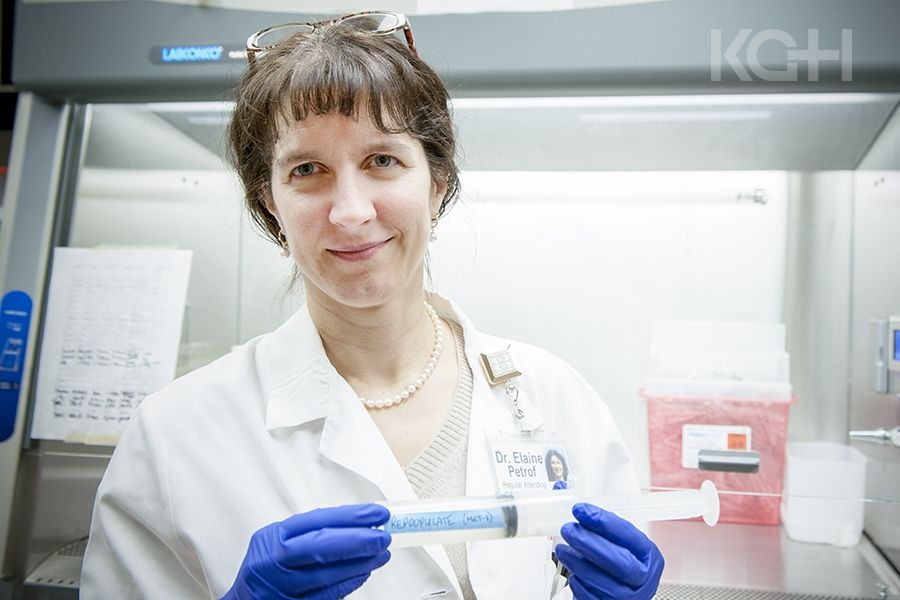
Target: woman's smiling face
<point x="355" y="205"/>
<point x="557" y="466"/>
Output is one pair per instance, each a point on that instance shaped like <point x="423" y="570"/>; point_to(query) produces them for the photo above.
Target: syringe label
<point x="446" y="521"/>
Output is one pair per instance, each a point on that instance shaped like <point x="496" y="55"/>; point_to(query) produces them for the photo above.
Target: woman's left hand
<point x="608" y="557"/>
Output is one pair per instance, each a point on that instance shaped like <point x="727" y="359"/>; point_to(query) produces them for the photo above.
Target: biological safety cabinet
<point x="700" y="161"/>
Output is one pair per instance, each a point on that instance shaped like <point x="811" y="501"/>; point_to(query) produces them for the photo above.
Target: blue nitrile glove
<point x="324" y="554"/>
<point x="561" y="571"/>
<point x="608" y="557"/>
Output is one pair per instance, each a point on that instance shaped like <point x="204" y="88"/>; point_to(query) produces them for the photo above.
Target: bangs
<point x="344" y="77"/>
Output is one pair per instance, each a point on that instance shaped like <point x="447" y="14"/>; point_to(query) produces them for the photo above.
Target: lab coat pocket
<point x="512" y="568"/>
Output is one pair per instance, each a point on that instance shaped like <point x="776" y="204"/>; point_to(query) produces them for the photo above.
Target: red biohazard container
<point x="679" y="427"/>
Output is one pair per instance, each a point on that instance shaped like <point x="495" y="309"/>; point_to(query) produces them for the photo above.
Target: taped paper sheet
<point x="111" y="337"/>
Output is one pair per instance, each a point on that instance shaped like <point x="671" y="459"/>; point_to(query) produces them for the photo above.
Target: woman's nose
<point x="352" y="204"/>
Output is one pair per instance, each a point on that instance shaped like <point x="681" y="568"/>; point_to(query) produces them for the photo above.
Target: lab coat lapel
<point x="351" y="439"/>
<point x="301" y="385"/>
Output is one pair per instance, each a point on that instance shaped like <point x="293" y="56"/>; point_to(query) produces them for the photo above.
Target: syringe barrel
<point x="664" y="506"/>
<point x="544" y="514"/>
<point x="454" y="520"/>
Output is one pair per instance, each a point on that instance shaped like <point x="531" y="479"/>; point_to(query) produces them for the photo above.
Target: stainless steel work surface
<point x="675" y="591"/>
<point x="763" y="558"/>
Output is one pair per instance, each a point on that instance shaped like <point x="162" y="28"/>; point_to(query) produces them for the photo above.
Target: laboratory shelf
<point x="759" y="562"/>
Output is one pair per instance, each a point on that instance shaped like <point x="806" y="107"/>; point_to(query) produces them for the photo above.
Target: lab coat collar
<point x="297" y="379"/>
<point x="301" y="385"/>
<point x="294" y="373"/>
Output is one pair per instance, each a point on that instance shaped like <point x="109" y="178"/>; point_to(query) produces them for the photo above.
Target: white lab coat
<point x="271" y="429"/>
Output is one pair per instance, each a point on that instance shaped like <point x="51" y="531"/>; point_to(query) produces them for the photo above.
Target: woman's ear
<point x="438" y="191"/>
<point x="268" y="203"/>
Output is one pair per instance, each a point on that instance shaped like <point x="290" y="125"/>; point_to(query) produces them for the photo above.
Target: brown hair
<point x="338" y="70"/>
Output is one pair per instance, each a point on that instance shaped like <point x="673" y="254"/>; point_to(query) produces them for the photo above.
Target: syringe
<point x="467" y="519"/>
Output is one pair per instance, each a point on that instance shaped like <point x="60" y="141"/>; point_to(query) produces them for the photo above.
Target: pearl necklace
<point x="416" y="385"/>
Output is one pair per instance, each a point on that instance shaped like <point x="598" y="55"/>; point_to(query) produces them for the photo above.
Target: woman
<point x="228" y="482"/>
<point x="557" y="469"/>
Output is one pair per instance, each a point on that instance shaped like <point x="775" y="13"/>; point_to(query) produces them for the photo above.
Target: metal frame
<point x="38" y="171"/>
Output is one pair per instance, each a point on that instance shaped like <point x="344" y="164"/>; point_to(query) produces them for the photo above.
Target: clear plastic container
<point x="824" y="493"/>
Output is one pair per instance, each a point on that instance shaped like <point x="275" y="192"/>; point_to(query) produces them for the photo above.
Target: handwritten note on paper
<point x="111" y="337"/>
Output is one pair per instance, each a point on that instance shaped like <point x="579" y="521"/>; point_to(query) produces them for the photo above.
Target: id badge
<point x="529" y="463"/>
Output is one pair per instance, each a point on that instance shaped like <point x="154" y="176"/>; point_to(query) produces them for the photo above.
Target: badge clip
<point x="500" y="367"/>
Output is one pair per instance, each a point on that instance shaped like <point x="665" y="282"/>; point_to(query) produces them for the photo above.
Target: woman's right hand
<point x="324" y="554"/>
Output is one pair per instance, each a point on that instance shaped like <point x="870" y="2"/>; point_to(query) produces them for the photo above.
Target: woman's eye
<point x="384" y="160"/>
<point x="304" y="170"/>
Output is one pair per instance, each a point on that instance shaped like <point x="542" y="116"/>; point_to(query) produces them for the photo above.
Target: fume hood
<point x="604" y="174"/>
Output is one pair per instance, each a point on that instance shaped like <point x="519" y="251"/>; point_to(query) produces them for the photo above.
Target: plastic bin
<point x="678" y="427"/>
<point x="719" y="389"/>
<point x="823" y="493"/>
<point x="681" y="364"/>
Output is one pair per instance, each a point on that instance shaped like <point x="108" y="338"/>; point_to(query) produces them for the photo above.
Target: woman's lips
<point x="361" y="252"/>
